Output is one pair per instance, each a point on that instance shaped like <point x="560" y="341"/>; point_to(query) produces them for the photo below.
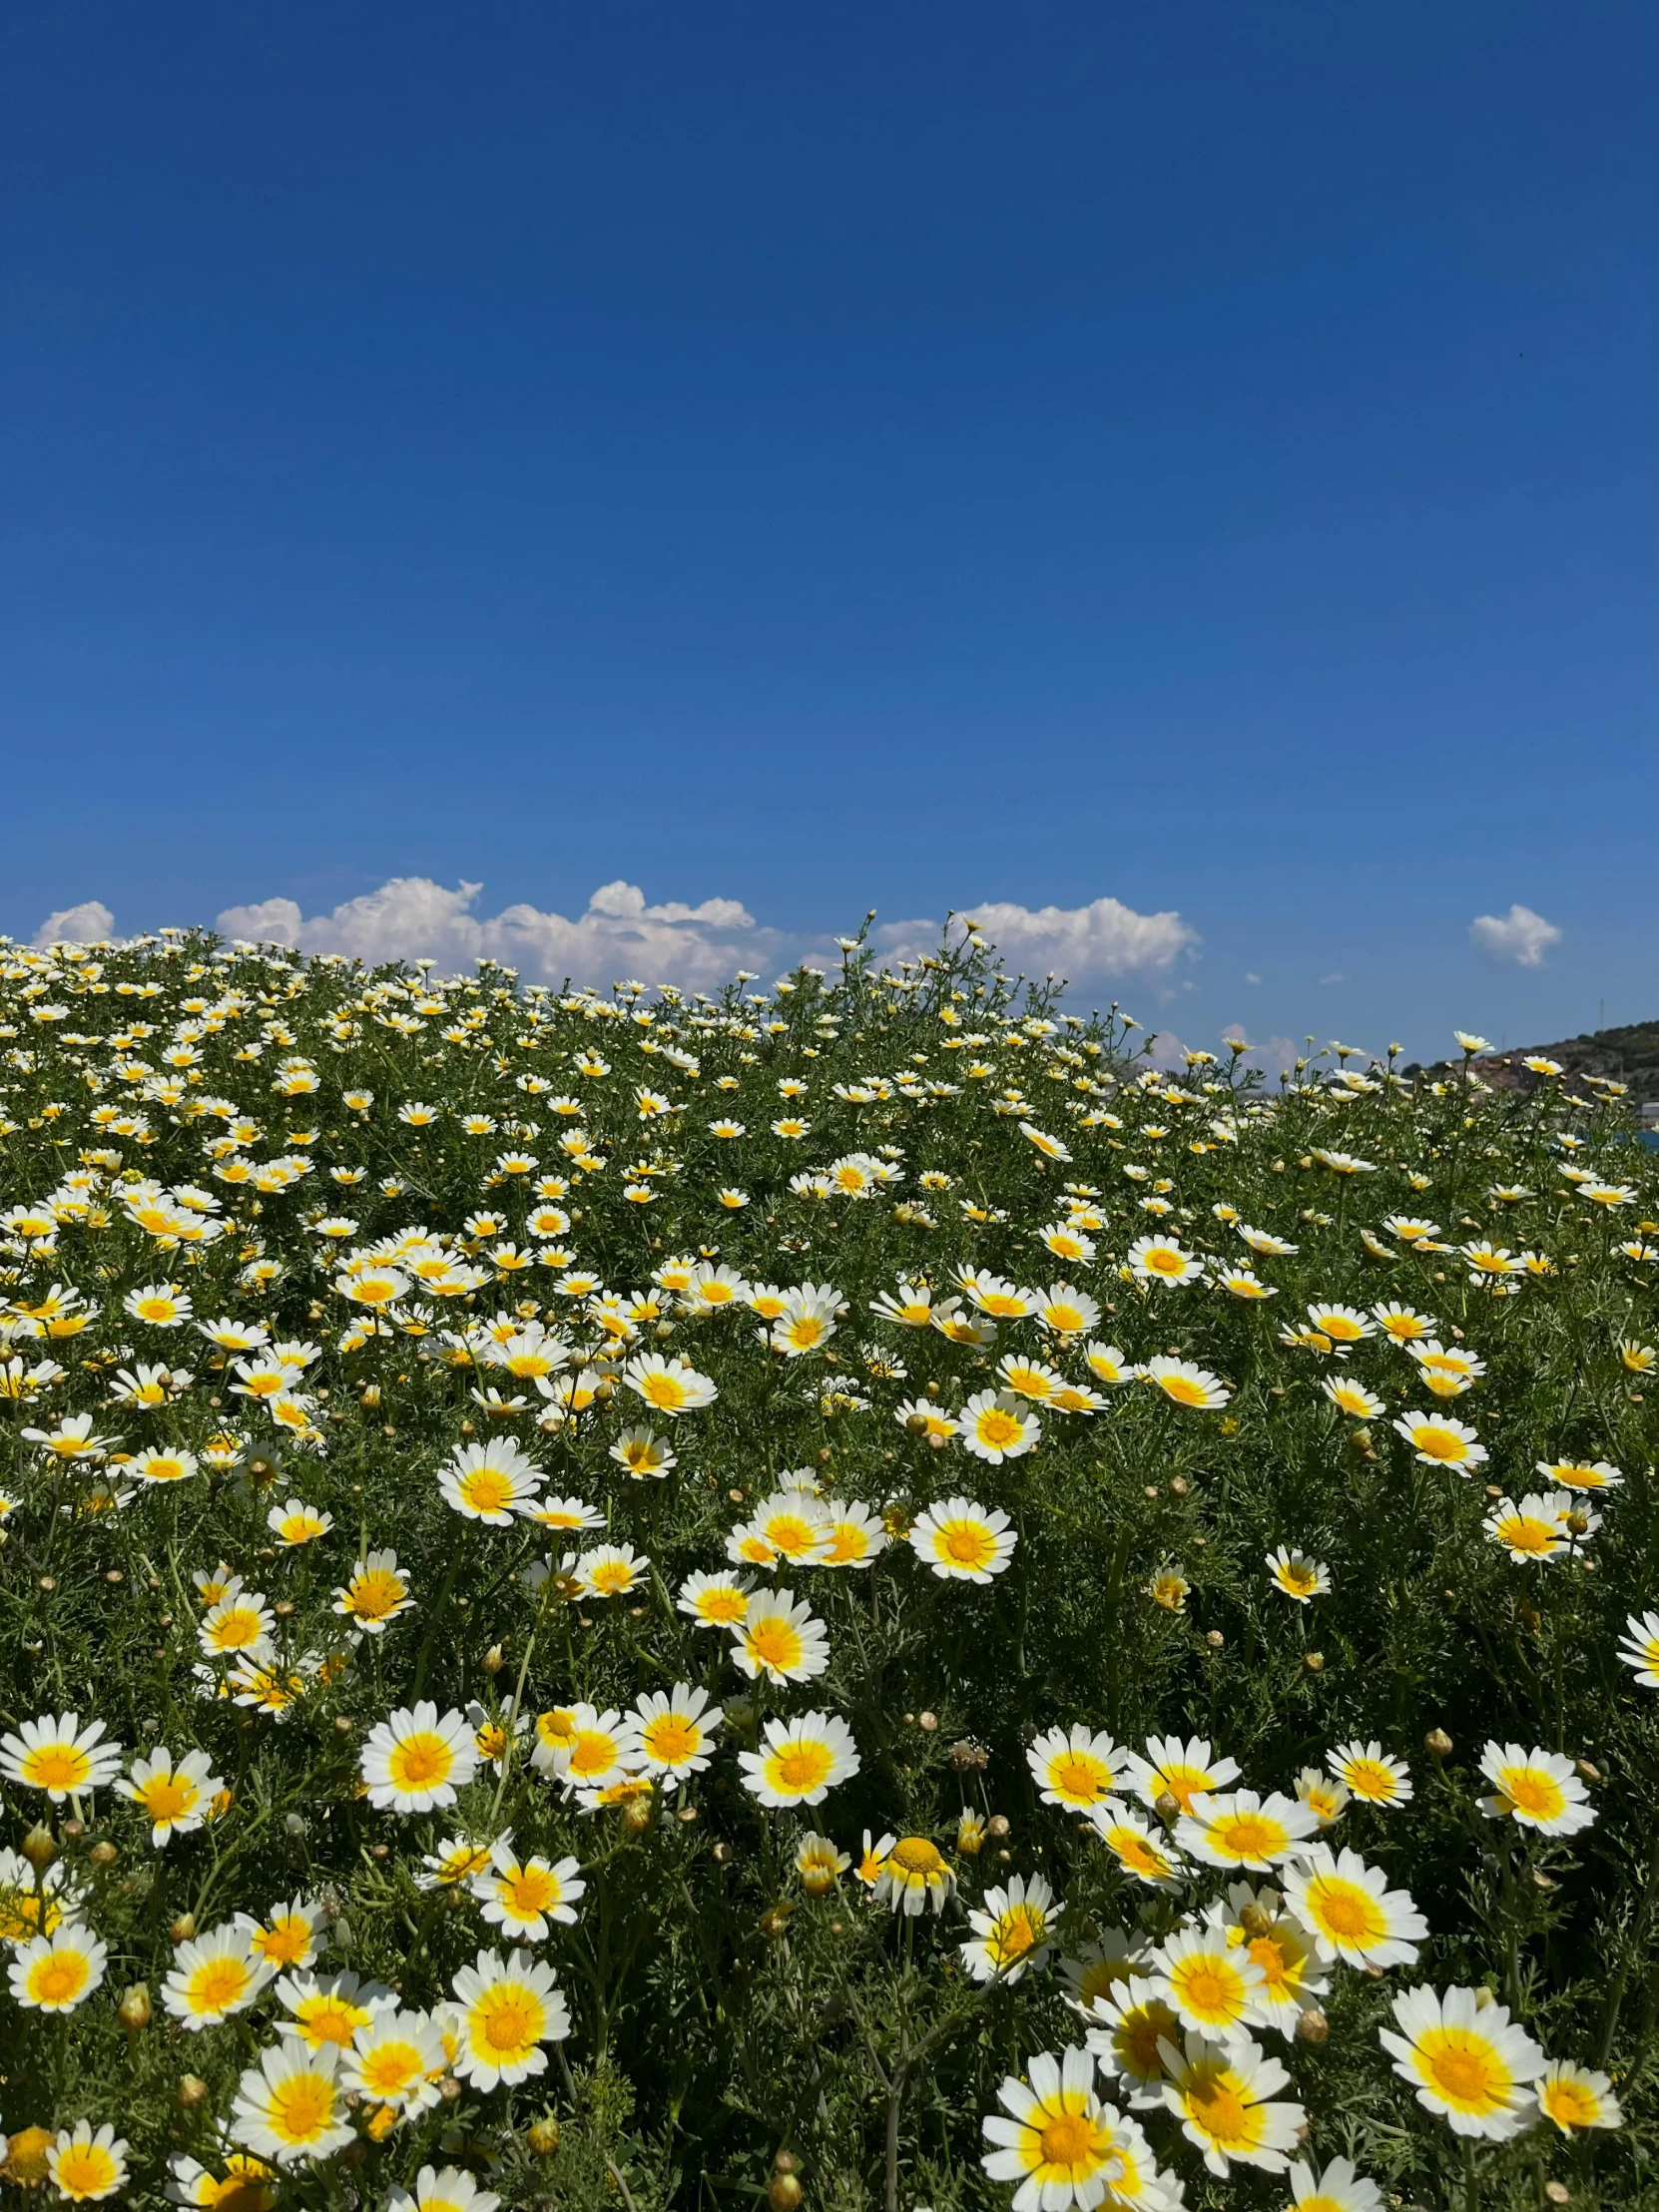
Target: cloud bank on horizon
<point x="619" y="933"/>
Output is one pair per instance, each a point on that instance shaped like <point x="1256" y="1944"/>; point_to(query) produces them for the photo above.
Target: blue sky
<point x="1194" y="458"/>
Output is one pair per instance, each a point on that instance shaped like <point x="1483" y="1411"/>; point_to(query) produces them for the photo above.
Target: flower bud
<point x="542" y="2137"/>
<point x="494" y="1659"/>
<point x="1314" y="1661"/>
<point x="1311" y="2026"/>
<point x="133" y="2009"/>
<point x="1214" y="1638"/>
<point x="40" y="1847"/>
<point x="998" y="1825"/>
<point x="784" y="2192"/>
<point x="191" y="2092"/>
<point x="1437" y="1743"/>
<point x="183" y="1929"/>
<point x="103" y="1853"/>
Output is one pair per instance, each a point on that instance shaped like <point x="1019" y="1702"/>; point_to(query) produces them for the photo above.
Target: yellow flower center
<point x="167" y="1797"/>
<point x="801" y="1767"/>
<point x="917" y="1856"/>
<point x="1467" y="2072"/>
<point x="1534" y="1792"/>
<point x="1182" y="1389"/>
<point x="216" y="1985"/>
<point x="672" y="1739"/>
<point x="1074" y="1777"/>
<point x="372" y="1596"/>
<point x="302" y="2109"/>
<point x="285" y="1942"/>
<point x="967" y="1546"/>
<point x="56" y="1766"/>
<point x="418" y="1760"/>
<point x="1218" y="2111"/>
<point x="487" y="1490"/>
<point x="1068" y="2139"/>
<point x="59" y="1978"/>
<point x="85" y="2170"/>
<point x="1249" y="1836"/>
<point x="592" y="1753"/>
<point x="509" y="2019"/>
<point x="1344" y="1909"/>
<point x="1207" y="1990"/>
<point x="530" y="1891"/>
<point x="1569" y="2104"/>
<point x="1439" y="1443"/>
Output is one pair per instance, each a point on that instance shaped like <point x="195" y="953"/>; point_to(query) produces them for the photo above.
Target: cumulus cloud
<point x="89" y="924"/>
<point x="1101" y="939"/>
<point x="618" y="933"/>
<point x="1519" y="938"/>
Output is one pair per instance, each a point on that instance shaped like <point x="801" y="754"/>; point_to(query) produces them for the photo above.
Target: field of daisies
<point x="836" y="1595"/>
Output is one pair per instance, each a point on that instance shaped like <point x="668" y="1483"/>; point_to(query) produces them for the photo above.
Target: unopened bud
<point x="542" y="2136"/>
<point x="1179" y="1485"/>
<point x="494" y="1659"/>
<point x="1437" y="1743"/>
<point x="1589" y="1771"/>
<point x="1483" y="1998"/>
<point x="133" y="2009"/>
<point x="191" y="2092"/>
<point x="183" y="1929"/>
<point x="1311" y="2026"/>
<point x="927" y="1722"/>
<point x="103" y="1853"/>
<point x="1314" y="1661"/>
<point x="998" y="1825"/>
<point x="449" y="2089"/>
<point x="636" y="1815"/>
<point x="371" y="1396"/>
<point x="783" y="2193"/>
<point x="1167" y="1806"/>
<point x="40" y="1847"/>
<point x="1214" y="1638"/>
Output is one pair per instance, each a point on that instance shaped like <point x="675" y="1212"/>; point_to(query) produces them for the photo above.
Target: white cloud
<point x="412" y="918"/>
<point x="89" y="924"/>
<point x="1101" y="939"/>
<point x="1520" y="937"/>
<point x="619" y="933"/>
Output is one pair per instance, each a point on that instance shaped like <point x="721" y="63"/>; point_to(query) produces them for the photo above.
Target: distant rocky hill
<point x="1629" y="1055"/>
